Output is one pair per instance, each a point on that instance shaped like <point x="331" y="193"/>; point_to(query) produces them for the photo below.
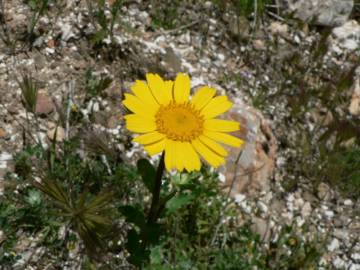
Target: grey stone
<point x="320" y="12"/>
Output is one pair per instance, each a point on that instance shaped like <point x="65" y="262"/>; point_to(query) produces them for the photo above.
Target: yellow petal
<point x="213" y="145"/>
<point x="169" y="85"/>
<point x="179" y="156"/>
<point x="192" y="160"/>
<point x="202" y="97"/>
<point x="182" y="88"/>
<point x="216" y="106"/>
<point x="221" y="125"/>
<point x="210" y="156"/>
<point x="135" y="105"/>
<point x="155" y="148"/>
<point x="149" y="138"/>
<point x="143" y="92"/>
<point x="159" y="88"/>
<point x="224" y="138"/>
<point x="137" y="123"/>
<point x="170" y="154"/>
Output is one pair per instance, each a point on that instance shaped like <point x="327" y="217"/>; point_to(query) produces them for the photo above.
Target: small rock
<point x="339" y="263"/>
<point x="13" y="108"/>
<point x="261" y="227"/>
<point x="171" y="60"/>
<point x="263" y="207"/>
<point x="323" y="192"/>
<point x="113" y="122"/>
<point x="334" y="245"/>
<point x="60" y="134"/>
<point x="67" y="32"/>
<point x="320" y="12"/>
<point x="44" y="104"/>
<point x="259" y="45"/>
<point x="348" y="202"/>
<point x="3" y="133"/>
<point x="346" y="36"/>
<point x="354" y="107"/>
<point x="306" y="210"/>
<point x="278" y="28"/>
<point x="257" y="158"/>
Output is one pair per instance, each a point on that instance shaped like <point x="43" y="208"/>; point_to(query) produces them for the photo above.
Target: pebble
<point x="44" y="104"/>
<point x="60" y="134"/>
<point x="3" y="133"/>
<point x="334" y="245"/>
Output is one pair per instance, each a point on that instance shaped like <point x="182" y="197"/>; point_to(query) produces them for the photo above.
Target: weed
<point x="165" y="15"/>
<point x="98" y="12"/>
<point x="39" y="7"/>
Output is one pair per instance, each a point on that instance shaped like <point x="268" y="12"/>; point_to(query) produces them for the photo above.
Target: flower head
<point x="169" y="121"/>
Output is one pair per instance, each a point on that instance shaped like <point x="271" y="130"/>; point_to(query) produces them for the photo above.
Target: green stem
<point x="155" y="202"/>
<point x="153" y="213"/>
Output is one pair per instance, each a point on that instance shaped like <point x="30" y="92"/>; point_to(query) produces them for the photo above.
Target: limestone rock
<point x="345" y="37"/>
<point x="3" y="133"/>
<point x="354" y="107"/>
<point x="319" y="12"/>
<point x="60" y="134"/>
<point x="251" y="172"/>
<point x="44" y="104"/>
<point x="261" y="227"/>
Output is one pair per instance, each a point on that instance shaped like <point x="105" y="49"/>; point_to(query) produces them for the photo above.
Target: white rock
<point x="339" y="263"/>
<point x="306" y="210"/>
<point x="239" y="197"/>
<point x="67" y="32"/>
<point x="356" y="256"/>
<point x="222" y="177"/>
<point x="346" y="36"/>
<point x="96" y="107"/>
<point x="263" y="207"/>
<point x="354" y="107"/>
<point x="329" y="214"/>
<point x="4" y="157"/>
<point x="354" y="266"/>
<point x="334" y="245"/>
<point x="279" y="28"/>
<point x="348" y="202"/>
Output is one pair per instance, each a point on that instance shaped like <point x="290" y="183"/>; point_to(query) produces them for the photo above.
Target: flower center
<point x="179" y="122"/>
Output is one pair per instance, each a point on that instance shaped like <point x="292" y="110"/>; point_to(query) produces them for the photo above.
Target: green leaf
<point x="138" y="255"/>
<point x="153" y="232"/>
<point x="133" y="215"/>
<point x="148" y="173"/>
<point x="99" y="36"/>
<point x="176" y="203"/>
<point x="34" y="197"/>
<point x="29" y="92"/>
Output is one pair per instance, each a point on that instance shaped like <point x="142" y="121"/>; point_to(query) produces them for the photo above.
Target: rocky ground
<point x="238" y="57"/>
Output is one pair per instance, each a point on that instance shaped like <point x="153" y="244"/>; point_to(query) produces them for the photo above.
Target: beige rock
<point x="354" y="107"/>
<point x="44" y="104"/>
<point x="345" y="37"/>
<point x="3" y="133"/>
<point x="13" y="108"/>
<point x="113" y="121"/>
<point x="60" y="134"/>
<point x="261" y="227"/>
<point x="320" y="12"/>
<point x="171" y="61"/>
<point x="259" y="45"/>
<point x="324" y="192"/>
<point x="248" y="170"/>
<point x="278" y="28"/>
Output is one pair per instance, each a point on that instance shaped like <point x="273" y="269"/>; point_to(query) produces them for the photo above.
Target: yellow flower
<point x="181" y="127"/>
